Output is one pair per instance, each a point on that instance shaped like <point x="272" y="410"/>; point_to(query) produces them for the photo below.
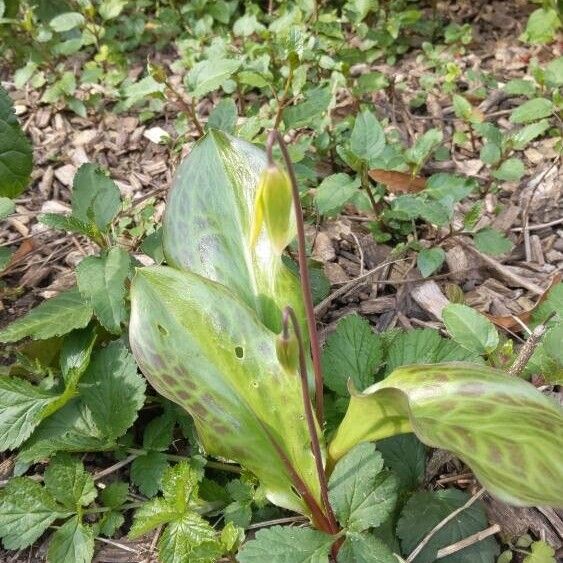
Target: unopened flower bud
<point x="287" y="349"/>
<point x="273" y="207"/>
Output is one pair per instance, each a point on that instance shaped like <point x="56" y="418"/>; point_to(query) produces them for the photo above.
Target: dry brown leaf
<point x="398" y="182"/>
<point x="26" y="247"/>
<point x="509" y="322"/>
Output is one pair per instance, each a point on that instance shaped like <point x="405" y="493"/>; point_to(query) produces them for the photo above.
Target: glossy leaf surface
<point x="202" y="348"/>
<point x="502" y="427"/>
<point x="208" y="221"/>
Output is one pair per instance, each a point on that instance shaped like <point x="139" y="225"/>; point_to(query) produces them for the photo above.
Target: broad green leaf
<point x="554" y="72"/>
<point x="315" y="104"/>
<point x="510" y="170"/>
<point x="95" y="197"/>
<point x="449" y="188"/>
<point x="142" y="90"/>
<point x="152" y="514"/>
<point x="470" y="329"/>
<point x="26" y="511"/>
<point x="112" y="389"/>
<point x="361" y="494"/>
<point x="500" y="426"/>
<point x="73" y="542"/>
<point x="54" y="317"/>
<point x="15" y="151"/>
<point x="538" y="108"/>
<point x="68" y="482"/>
<point x="101" y="281"/>
<point x="7" y="206"/>
<point x="490" y="153"/>
<point x="334" y="191"/>
<point x="208" y="75"/>
<point x="429" y="260"/>
<point x="426" y="509"/>
<point x="493" y="242"/>
<point x="365" y="548"/>
<point x="147" y="471"/>
<point x="22" y="407"/>
<point x="405" y="455"/>
<point x="71" y="429"/>
<point x="110" y="9"/>
<point x="207" y="227"/>
<point x="200" y="347"/>
<point x="425" y="346"/>
<point x="367" y="139"/>
<point x="67" y="21"/>
<point x="287" y="545"/>
<point x="224" y="116"/>
<point x="542" y="26"/>
<point x="353" y="351"/>
<point x="115" y="494"/>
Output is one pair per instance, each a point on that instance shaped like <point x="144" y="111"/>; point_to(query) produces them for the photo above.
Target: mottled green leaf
<point x="365" y="548"/>
<point x="493" y="242"/>
<point x="353" y="351"/>
<point x="538" y="108"/>
<point x="26" y="511"/>
<point x="361" y="494"/>
<point x="429" y="260"/>
<point x="511" y="170"/>
<point x="203" y="349"/>
<point x="501" y="426"/>
<point x="287" y="545"/>
<point x="542" y="26"/>
<point x="208" y="221"/>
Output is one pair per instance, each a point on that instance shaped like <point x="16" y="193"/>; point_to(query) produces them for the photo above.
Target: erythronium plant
<point x="225" y="329"/>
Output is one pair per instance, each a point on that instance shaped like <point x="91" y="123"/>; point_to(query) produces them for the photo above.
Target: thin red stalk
<point x="303" y="272"/>
<point x="289" y="314"/>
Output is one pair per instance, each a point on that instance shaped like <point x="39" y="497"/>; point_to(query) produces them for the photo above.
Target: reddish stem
<point x="303" y="272"/>
<point x="289" y="314"/>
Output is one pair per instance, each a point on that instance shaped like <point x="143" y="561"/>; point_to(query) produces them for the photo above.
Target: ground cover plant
<point x="327" y="341"/>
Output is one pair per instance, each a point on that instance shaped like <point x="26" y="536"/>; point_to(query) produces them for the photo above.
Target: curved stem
<point x="273" y="137"/>
<point x="289" y="315"/>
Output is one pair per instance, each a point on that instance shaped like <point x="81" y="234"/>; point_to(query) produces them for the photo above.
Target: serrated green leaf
<point x="26" y="511"/>
<point x="73" y="542"/>
<point x="365" y="548"/>
<point x="361" y="494"/>
<point x="159" y="431"/>
<point x="424" y="346"/>
<point x="15" y="151"/>
<point x="152" y="514"/>
<point x="554" y="72"/>
<point x="22" y="407"/>
<point x="110" y="522"/>
<point x="367" y="139"/>
<point x="449" y="188"/>
<point x="68" y="482"/>
<point x="115" y="494"/>
<point x="334" y="191"/>
<point x="95" y="197"/>
<point x="538" y="108"/>
<point x="528" y="133"/>
<point x="542" y="26"/>
<point x="75" y="354"/>
<point x="224" y="116"/>
<point x="54" y="317"/>
<point x="206" y="76"/>
<point x="542" y="552"/>
<point x="7" y="206"/>
<point x="69" y="223"/>
<point x="424" y="510"/>
<point x="490" y="241"/>
<point x="238" y="513"/>
<point x="287" y="545"/>
<point x="147" y="471"/>
<point x="490" y="153"/>
<point x="520" y="87"/>
<point x="353" y="351"/>
<point x="113" y="390"/>
<point x="470" y="329"/>
<point x="180" y="486"/>
<point x="70" y="429"/>
<point x="405" y="455"/>
<point x="101" y="281"/>
<point x="512" y="450"/>
<point x="429" y="260"/>
<point x="316" y="103"/>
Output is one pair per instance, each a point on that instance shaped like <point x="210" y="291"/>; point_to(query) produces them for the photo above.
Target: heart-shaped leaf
<point x="501" y="426"/>
<point x="202" y="348"/>
<point x="208" y="223"/>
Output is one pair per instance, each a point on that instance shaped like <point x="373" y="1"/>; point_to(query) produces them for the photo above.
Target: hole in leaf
<point x="239" y="352"/>
<point x="162" y="330"/>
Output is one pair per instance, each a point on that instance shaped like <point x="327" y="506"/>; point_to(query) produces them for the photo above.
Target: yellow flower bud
<point x="273" y="207"/>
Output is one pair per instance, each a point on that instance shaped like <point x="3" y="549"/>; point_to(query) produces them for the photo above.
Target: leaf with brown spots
<point x="398" y="182"/>
<point x="503" y="428"/>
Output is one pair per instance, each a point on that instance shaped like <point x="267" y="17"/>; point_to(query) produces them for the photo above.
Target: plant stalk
<point x="289" y="315"/>
<point x="273" y="137"/>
